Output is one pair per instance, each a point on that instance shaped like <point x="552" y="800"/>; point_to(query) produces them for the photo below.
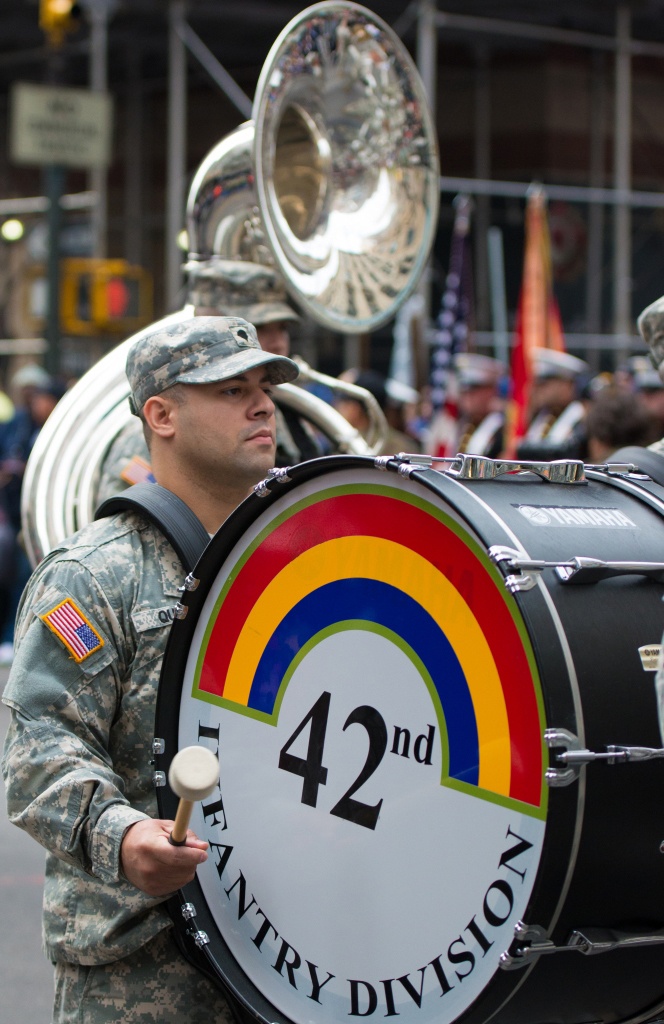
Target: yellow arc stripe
<point x="401" y="567"/>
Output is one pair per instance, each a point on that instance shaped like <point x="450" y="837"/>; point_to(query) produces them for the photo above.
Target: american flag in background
<point x="76" y="633"/>
<point x="452" y="324"/>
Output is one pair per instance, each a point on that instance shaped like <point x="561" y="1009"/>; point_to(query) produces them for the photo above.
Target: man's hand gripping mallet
<point x="193" y="775"/>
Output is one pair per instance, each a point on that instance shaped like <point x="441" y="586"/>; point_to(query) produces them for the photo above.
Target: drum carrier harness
<point x="181" y="527"/>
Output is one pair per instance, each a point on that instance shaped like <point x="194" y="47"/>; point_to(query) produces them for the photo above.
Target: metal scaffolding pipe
<point x="134" y="160"/>
<point x="427" y="50"/>
<point x="215" y="70"/>
<point x="177" y="149"/>
<point x="570" y="193"/>
<point x="39" y="204"/>
<point x="544" y="34"/>
<point x="622" y="175"/>
<point x="597" y="130"/>
<point x="585" y="343"/>
<point x="482" y="162"/>
<point x="427" y="66"/>
<point x="98" y="176"/>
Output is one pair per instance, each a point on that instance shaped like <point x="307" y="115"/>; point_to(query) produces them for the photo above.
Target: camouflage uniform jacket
<point x="77" y="755"/>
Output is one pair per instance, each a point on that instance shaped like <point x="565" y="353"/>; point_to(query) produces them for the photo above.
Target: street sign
<point x="75" y="239"/>
<point x="60" y="125"/>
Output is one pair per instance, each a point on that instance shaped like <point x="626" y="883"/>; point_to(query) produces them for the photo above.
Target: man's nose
<point x="263" y="404"/>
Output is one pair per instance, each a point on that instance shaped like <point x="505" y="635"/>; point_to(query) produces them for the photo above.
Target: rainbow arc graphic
<point x="379" y="559"/>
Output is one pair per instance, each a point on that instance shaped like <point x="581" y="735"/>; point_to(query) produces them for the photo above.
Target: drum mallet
<point x="193" y="774"/>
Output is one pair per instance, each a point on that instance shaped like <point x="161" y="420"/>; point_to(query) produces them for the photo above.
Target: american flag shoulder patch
<point x="70" y="625"/>
<point x="138" y="471"/>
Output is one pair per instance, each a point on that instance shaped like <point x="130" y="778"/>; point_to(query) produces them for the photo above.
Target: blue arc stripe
<point x="377" y="602"/>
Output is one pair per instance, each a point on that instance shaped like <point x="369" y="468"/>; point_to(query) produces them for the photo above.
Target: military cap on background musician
<point x="255" y="293"/>
<point x="91" y="635"/>
<point x="557" y="412"/>
<point x="478" y="427"/>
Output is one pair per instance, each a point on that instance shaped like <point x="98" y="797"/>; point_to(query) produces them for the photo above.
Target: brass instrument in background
<point x="333" y="184"/>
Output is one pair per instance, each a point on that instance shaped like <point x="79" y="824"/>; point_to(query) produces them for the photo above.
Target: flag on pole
<point x="452" y="324"/>
<point x="538" y="323"/>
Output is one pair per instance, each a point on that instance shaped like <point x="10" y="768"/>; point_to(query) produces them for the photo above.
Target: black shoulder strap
<point x="648" y="461"/>
<point x="174" y="518"/>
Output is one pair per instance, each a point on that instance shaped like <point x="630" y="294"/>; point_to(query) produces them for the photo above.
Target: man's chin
<point x="262" y="462"/>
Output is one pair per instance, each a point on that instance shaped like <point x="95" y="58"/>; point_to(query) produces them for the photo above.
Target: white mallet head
<point x="194" y="773"/>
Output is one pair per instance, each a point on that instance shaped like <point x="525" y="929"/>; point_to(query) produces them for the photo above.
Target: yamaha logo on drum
<point x="561" y="515"/>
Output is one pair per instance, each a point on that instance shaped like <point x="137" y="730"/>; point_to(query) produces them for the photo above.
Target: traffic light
<point x="99" y="296"/>
<point x="96" y="297"/>
<point x="57" y="17"/>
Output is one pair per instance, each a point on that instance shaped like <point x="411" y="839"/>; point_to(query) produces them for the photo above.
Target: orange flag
<point x="538" y="323"/>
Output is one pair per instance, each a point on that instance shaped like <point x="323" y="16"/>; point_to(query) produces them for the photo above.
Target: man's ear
<point x="158" y="412"/>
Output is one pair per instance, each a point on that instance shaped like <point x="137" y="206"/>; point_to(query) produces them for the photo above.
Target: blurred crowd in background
<point x="572" y="413"/>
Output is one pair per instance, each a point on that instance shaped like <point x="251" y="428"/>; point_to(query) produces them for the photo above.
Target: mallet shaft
<point x="178" y="836"/>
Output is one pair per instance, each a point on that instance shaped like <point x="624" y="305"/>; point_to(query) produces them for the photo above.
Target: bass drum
<point x="396" y="830"/>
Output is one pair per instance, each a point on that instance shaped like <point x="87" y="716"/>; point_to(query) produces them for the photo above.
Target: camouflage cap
<point x="241" y="288"/>
<point x="651" y="325"/>
<point x="260" y="313"/>
<point x="198" y="350"/>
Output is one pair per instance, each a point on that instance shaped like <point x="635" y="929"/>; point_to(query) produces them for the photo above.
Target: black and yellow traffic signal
<point x="96" y="297"/>
<point x="57" y="18"/>
<point x="101" y="296"/>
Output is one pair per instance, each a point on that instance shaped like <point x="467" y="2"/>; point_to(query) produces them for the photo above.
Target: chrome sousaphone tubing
<point x="334" y="182"/>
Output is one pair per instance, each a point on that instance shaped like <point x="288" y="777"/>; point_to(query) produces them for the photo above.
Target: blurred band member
<point x="556" y="410"/>
<point x="478" y="427"/>
<point x="557" y="424"/>
<point x="391" y="397"/>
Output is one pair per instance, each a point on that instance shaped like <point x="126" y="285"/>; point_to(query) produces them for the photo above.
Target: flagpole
<point x="501" y="346"/>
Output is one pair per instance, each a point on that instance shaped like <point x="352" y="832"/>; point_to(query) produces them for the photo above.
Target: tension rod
<point x="613" y="755"/>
